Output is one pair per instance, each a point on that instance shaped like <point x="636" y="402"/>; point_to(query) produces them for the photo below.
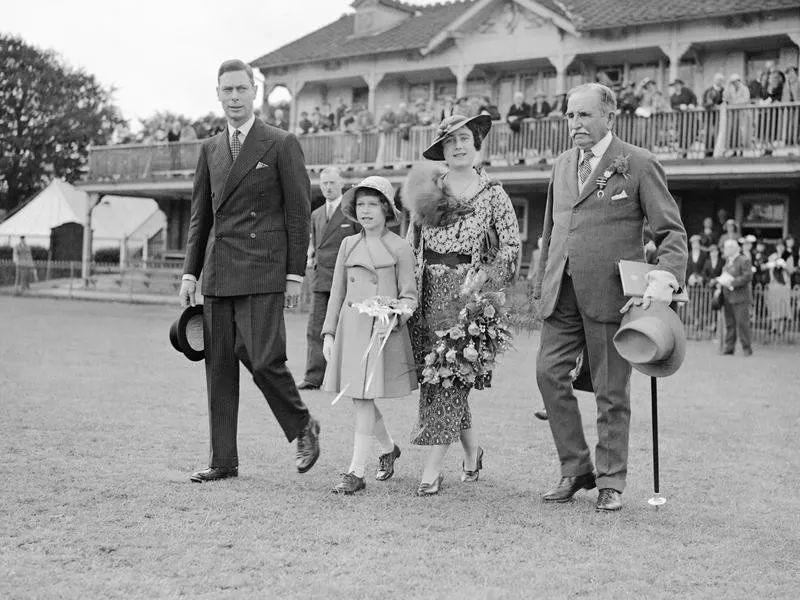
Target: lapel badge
<point x="602" y="181"/>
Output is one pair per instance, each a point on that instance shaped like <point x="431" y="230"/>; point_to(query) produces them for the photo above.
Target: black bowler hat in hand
<point x="186" y="333"/>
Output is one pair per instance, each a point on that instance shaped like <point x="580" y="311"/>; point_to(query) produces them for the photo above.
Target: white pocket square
<point x="261" y="165"/>
<point x="345" y="225"/>
<point x="621" y="196"/>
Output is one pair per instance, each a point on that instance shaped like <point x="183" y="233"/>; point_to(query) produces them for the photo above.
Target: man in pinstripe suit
<point x="248" y="235"/>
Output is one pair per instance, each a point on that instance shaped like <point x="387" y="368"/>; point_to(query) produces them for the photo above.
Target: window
<point x="756" y="62"/>
<point x="360" y="96"/>
<point x="639" y="72"/>
<point x="616" y="73"/>
<point x="419" y="91"/>
<point x="763" y="215"/>
<point x="521" y="209"/>
<point x="442" y="89"/>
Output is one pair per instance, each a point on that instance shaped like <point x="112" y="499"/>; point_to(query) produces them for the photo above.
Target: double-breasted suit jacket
<point x="249" y="221"/>
<point x="248" y="230"/>
<point x="595" y="233"/>
<point x="361" y="272"/>
<point x="326" y="238"/>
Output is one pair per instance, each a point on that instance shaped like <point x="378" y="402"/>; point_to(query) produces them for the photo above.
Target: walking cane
<point x="656" y="500"/>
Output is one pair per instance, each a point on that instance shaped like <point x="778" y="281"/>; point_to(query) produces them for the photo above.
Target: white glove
<point x="327" y="347"/>
<point x="660" y="285"/>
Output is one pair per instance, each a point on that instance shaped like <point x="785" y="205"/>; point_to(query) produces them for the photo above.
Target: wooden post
<point x="86" y="259"/>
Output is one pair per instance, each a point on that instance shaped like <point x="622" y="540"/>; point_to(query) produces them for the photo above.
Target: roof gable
<point x="426" y="26"/>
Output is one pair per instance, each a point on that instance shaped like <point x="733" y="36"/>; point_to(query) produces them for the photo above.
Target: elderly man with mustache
<point x="600" y="195"/>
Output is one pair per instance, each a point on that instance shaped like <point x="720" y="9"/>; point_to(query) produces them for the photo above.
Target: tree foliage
<point x="155" y="126"/>
<point x="50" y="114"/>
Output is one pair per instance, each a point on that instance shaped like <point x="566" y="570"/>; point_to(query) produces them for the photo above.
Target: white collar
<point x="334" y="203"/>
<point x="600" y="147"/>
<point x="244" y="128"/>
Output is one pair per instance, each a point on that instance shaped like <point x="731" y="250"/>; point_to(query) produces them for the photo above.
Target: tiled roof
<point x="601" y="14"/>
<point x="335" y="41"/>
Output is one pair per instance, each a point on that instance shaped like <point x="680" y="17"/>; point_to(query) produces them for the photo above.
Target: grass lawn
<point x="103" y="422"/>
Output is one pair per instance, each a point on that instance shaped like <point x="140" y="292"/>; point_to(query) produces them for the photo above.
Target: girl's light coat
<point x="362" y="273"/>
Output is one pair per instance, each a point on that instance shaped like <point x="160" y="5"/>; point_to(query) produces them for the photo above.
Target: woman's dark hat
<point x="380" y="185"/>
<point x="449" y="125"/>
<point x="186" y="333"/>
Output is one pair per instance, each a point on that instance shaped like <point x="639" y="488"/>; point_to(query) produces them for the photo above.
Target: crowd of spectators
<point x="775" y="267"/>
<point x="643" y="99"/>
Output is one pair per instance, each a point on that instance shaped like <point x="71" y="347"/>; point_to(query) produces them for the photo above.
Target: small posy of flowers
<point x="470" y="347"/>
<point x="621" y="165"/>
<point x="383" y="308"/>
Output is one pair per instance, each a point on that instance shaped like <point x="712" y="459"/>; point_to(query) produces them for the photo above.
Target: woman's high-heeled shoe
<point x="473" y="475"/>
<point x="430" y="489"/>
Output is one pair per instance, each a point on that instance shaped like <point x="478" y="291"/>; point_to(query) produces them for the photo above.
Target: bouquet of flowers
<point x="469" y="348"/>
<point x="383" y="308"/>
<point x="385" y="311"/>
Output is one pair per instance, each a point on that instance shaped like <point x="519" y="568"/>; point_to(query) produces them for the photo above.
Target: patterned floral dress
<point x="444" y="412"/>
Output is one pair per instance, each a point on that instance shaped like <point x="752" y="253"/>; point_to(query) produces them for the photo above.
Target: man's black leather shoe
<point x="568" y="486"/>
<point x="308" y="446"/>
<point x="305" y="385"/>
<point x="608" y="500"/>
<point x="541" y="415"/>
<point x="214" y="473"/>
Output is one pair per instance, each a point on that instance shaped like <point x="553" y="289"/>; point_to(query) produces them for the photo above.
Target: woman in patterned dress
<point x="465" y="237"/>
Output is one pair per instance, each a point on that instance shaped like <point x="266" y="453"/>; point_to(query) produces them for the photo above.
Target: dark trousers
<point x="564" y="334"/>
<point x="315" y="361"/>
<point x="737" y="320"/>
<point x="249" y="329"/>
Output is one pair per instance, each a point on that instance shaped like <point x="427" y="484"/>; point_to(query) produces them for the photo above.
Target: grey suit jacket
<point x="326" y="237"/>
<point x="249" y="221"/>
<point x="742" y="271"/>
<point x="596" y="233"/>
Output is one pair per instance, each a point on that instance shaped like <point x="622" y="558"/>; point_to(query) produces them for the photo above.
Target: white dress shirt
<point x="244" y="129"/>
<point x="331" y="206"/>
<point x="597" y="150"/>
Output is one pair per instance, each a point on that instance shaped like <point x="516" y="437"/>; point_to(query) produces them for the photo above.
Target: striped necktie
<point x="236" y="144"/>
<point x="585" y="168"/>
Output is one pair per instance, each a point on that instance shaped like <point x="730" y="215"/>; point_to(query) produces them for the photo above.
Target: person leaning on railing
<point x="713" y="96"/>
<point x="791" y="88"/>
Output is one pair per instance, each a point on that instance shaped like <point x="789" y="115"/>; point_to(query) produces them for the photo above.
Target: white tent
<point x="116" y="217"/>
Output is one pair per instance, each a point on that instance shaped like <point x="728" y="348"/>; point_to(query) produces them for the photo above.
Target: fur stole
<point x="426" y="199"/>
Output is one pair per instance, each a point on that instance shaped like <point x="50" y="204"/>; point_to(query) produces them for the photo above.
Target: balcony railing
<point x="749" y="131"/>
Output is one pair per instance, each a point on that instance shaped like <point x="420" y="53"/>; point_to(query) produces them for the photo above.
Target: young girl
<point x="375" y="262"/>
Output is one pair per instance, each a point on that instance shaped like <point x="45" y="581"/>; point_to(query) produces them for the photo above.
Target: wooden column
<point x="86" y="258"/>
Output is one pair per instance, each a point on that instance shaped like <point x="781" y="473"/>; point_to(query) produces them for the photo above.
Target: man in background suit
<point x="599" y="196"/>
<point x="737" y="296"/>
<point x="517" y="112"/>
<point x="328" y="228"/>
<point x="248" y="235"/>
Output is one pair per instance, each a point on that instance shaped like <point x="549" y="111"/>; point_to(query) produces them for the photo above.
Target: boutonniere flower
<point x="620" y="165"/>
